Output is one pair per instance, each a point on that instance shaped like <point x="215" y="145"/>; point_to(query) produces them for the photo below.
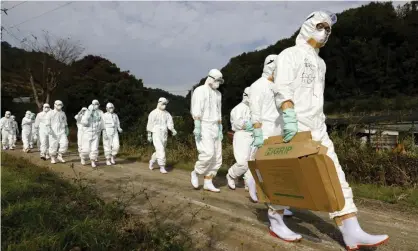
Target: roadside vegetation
<point x="41" y="211"/>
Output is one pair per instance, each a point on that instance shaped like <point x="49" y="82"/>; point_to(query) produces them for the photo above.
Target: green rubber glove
<point x="220" y="132"/>
<point x="290" y="127"/>
<point x="149" y="137"/>
<point x="248" y="126"/>
<point x="67" y="131"/>
<point x="197" y="130"/>
<point x="258" y="137"/>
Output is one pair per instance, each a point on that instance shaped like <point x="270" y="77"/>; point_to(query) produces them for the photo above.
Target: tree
<point x="45" y="75"/>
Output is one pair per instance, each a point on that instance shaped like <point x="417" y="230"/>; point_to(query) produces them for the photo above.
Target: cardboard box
<point x="297" y="174"/>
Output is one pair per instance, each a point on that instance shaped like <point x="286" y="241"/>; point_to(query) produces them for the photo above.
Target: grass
<point x="41" y="211"/>
<point x="389" y="194"/>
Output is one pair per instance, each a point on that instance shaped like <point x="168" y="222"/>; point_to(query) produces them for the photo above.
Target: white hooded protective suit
<point x="243" y="139"/>
<point x="43" y="131"/>
<point x="34" y="135"/>
<point x="206" y="106"/>
<point x="159" y="122"/>
<point x="262" y="105"/>
<point x="27" y="130"/>
<point x="111" y="135"/>
<point x="300" y="78"/>
<point x="92" y="121"/>
<point x="80" y="128"/>
<point x="57" y="121"/>
<point x="6" y="131"/>
<point x="15" y="131"/>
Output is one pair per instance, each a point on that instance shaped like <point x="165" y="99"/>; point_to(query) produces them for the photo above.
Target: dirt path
<point x="228" y="220"/>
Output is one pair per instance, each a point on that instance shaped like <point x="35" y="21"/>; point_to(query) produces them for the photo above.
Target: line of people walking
<point x="288" y="98"/>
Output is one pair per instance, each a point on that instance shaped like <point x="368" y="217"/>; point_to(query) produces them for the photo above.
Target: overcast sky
<point x="170" y="45"/>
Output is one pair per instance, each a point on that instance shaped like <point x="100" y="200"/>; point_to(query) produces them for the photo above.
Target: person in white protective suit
<point x="6" y="131"/>
<point x="15" y="131"/>
<point x="33" y="135"/>
<point x="42" y="131"/>
<point x="264" y="115"/>
<point x="243" y="138"/>
<point x="27" y="131"/>
<point x="80" y="128"/>
<point x="111" y="137"/>
<point x="207" y="115"/>
<point x="299" y="86"/>
<point x="92" y="121"/>
<point x="159" y="122"/>
<point x="58" y="132"/>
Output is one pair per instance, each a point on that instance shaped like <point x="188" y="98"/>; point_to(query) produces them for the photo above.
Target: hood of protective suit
<point x="246" y="96"/>
<point x="58" y="105"/>
<point x="46" y="108"/>
<point x="13" y="117"/>
<point x="309" y="31"/>
<point x="7" y="114"/>
<point x="110" y="107"/>
<point x="214" y="79"/>
<point x="269" y="66"/>
<point x="95" y="104"/>
<point x="162" y="103"/>
<point x="28" y="114"/>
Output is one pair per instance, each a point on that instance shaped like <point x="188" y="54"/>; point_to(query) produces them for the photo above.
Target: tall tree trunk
<point x="35" y="93"/>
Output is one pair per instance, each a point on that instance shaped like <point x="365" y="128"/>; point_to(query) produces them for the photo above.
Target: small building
<point x="378" y="138"/>
<point x="24" y="100"/>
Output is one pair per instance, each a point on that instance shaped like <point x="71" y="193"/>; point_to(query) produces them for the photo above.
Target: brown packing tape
<point x="300" y="136"/>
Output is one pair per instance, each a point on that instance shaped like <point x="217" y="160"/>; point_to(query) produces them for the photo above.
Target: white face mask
<point x="28" y="115"/>
<point x="110" y="109"/>
<point x="46" y="109"/>
<point x="215" y="85"/>
<point x="162" y="106"/>
<point x="58" y="107"/>
<point x="95" y="107"/>
<point x="320" y="36"/>
<point x="7" y="115"/>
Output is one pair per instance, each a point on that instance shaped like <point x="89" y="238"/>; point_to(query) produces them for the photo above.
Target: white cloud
<point x="168" y="44"/>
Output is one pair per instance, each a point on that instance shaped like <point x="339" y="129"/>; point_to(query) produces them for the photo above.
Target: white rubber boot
<point x="287" y="212"/>
<point x="112" y="160"/>
<point x="47" y="156"/>
<point x="162" y="170"/>
<point x="195" y="180"/>
<point x="355" y="237"/>
<point x="231" y="182"/>
<point x="108" y="162"/>
<point x="59" y="158"/>
<point x="151" y="165"/>
<point x="279" y="229"/>
<point x="53" y="161"/>
<point x="43" y="156"/>
<point x="250" y="182"/>
<point x="208" y="185"/>
<point x="4" y="148"/>
<point x="93" y="164"/>
<point x="83" y="161"/>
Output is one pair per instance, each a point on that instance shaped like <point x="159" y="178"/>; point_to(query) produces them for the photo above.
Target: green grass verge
<point x="41" y="211"/>
<point x="389" y="194"/>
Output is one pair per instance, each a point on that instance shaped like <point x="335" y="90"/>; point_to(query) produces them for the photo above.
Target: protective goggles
<point x="219" y="80"/>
